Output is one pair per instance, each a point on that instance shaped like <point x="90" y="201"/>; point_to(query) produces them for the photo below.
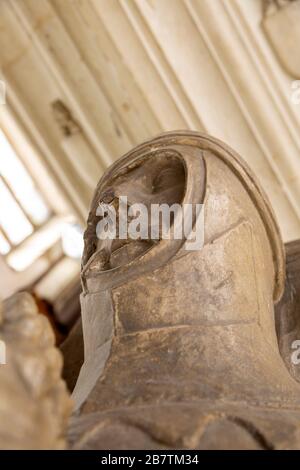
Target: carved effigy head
<point x="227" y="268"/>
<point x="179" y="331"/>
<point x="238" y="238"/>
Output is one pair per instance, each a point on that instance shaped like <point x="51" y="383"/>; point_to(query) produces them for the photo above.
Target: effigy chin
<point x="182" y="347"/>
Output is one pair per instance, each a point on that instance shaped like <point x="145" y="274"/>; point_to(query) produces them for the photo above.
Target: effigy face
<point x="151" y="182"/>
<point x="180" y="341"/>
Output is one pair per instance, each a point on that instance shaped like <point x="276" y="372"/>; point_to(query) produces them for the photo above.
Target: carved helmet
<point x="188" y="168"/>
<point x="139" y="286"/>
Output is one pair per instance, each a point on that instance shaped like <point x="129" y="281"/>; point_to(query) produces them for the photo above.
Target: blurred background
<point x="83" y="81"/>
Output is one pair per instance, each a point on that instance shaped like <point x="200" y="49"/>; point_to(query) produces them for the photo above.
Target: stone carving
<point x="270" y="6"/>
<point x="64" y="118"/>
<point x="180" y="347"/>
<point x="281" y="26"/>
<point x="34" y="403"/>
<point x="287" y="314"/>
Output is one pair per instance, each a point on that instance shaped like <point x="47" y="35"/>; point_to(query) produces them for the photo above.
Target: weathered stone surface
<point x="287" y="312"/>
<point x="281" y="26"/>
<point x="73" y="354"/>
<point x="34" y="403"/>
<point x="181" y="347"/>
